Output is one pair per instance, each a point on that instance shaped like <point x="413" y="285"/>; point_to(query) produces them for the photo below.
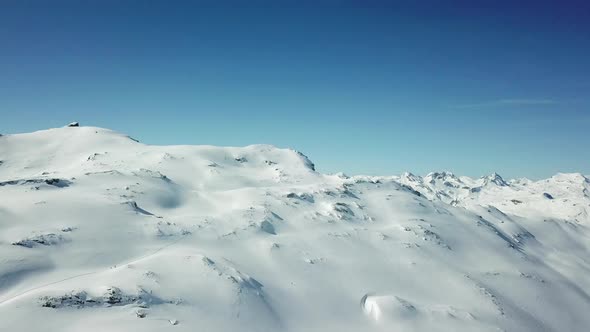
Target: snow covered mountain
<point x="99" y="232"/>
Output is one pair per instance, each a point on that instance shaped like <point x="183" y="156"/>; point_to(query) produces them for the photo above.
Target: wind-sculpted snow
<point x="150" y="238"/>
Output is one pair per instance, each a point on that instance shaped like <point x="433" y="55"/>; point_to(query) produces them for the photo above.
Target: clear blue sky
<point x="361" y="87"/>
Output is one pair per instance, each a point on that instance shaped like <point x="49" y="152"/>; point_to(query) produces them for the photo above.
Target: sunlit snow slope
<point x="101" y="233"/>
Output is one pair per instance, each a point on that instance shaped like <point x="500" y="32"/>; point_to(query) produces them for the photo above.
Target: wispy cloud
<point x="510" y="102"/>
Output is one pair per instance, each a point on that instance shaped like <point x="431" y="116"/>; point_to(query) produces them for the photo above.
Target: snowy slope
<point x="99" y="232"/>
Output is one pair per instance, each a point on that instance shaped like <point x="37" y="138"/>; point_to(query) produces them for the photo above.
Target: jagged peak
<point x="446" y="177"/>
<point x="494" y="178"/>
<point x="441" y="175"/>
<point x="411" y="177"/>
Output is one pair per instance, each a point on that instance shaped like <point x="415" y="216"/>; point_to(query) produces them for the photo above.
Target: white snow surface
<point x="99" y="232"/>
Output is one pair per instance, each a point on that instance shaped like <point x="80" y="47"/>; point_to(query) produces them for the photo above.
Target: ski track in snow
<point x="88" y="273"/>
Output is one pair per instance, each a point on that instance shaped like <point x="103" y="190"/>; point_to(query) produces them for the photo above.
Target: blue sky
<point x="365" y="87"/>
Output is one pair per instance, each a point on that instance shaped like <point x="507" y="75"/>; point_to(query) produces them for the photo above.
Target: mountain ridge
<point x="143" y="237"/>
<point x="493" y="177"/>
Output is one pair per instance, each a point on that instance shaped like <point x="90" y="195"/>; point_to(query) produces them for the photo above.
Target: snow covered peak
<point x="520" y="181"/>
<point x="410" y="177"/>
<point x="570" y="177"/>
<point x="71" y="135"/>
<point x="494" y="178"/>
<point x="70" y="151"/>
<point x="443" y="176"/>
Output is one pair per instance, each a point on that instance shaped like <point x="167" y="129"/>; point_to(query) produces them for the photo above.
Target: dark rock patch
<point x="301" y="196"/>
<point x="137" y="209"/>
<point x="49" y="239"/>
<point x="113" y="296"/>
<point x="153" y="174"/>
<point x="411" y="190"/>
<point x="306" y="161"/>
<point x="60" y="183"/>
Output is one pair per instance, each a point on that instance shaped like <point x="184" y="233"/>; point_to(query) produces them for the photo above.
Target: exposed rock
<point x="60" y="183"/>
<point x="137" y="209"/>
<point x="301" y="196"/>
<point x="411" y="190"/>
<point x="113" y="296"/>
<point x="153" y="174"/>
<point x="343" y="211"/>
<point x="496" y="179"/>
<point x="42" y="239"/>
<point x="306" y="161"/>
